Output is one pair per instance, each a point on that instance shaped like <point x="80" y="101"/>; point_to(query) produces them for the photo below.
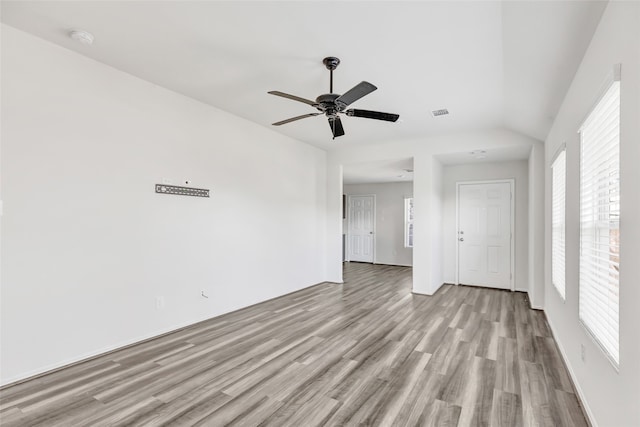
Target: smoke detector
<point x="441" y="112"/>
<point x="82" y="36"/>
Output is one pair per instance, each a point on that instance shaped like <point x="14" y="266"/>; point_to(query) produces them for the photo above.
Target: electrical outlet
<point x="583" y="352"/>
<point x="159" y="303"/>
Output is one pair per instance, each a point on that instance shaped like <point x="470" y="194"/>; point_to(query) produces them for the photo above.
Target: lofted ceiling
<point x="401" y="170"/>
<point x="391" y="170"/>
<point x="491" y="64"/>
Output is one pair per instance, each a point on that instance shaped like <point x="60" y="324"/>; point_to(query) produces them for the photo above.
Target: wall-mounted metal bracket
<point x="181" y="191"/>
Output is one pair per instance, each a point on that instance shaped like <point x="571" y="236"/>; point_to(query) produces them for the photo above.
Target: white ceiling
<point x="393" y="170"/>
<point x="401" y="170"/>
<point x="493" y="155"/>
<point x="492" y="64"/>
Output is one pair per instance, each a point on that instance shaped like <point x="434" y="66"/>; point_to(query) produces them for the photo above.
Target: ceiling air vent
<point x="442" y="112"/>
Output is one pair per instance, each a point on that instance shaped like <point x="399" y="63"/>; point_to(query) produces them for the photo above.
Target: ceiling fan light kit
<point x="332" y="104"/>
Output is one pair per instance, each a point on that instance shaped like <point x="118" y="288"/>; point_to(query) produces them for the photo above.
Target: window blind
<point x="558" y="184"/>
<point x="600" y="222"/>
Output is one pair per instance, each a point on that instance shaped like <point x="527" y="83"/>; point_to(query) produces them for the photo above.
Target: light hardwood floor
<point x="364" y="353"/>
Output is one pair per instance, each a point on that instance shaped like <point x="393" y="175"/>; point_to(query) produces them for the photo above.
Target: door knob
<point x="461" y="239"/>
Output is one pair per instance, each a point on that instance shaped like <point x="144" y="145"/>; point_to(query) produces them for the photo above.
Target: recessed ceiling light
<point x="441" y="112"/>
<point x="82" y="36"/>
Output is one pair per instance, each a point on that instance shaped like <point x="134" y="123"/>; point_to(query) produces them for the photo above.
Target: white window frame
<point x="409" y="228"/>
<point x="599" y="293"/>
<point x="558" y="220"/>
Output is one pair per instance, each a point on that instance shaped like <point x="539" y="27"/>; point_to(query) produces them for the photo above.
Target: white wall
<point x="435" y="225"/>
<point x="86" y="243"/>
<point x="427" y="269"/>
<point x="517" y="170"/>
<point x="611" y="398"/>
<point x="536" y="249"/>
<point x="389" y="236"/>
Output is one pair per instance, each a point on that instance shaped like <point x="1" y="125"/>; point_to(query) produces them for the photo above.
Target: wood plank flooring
<point x="364" y="353"/>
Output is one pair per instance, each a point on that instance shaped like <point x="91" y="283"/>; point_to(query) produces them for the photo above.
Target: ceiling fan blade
<point x="293" y="119"/>
<point x="389" y="117"/>
<point x="355" y="93"/>
<point x="295" y="98"/>
<point x="336" y="126"/>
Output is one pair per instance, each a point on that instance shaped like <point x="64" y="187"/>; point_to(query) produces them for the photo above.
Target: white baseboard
<point x="104" y="350"/>
<point x="392" y="264"/>
<point x="534" y="306"/>
<point x="413" y="291"/>
<point x="119" y="346"/>
<point x="583" y="402"/>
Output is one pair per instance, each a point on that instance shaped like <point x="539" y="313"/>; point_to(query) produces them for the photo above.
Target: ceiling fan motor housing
<point x="328" y="105"/>
<point x="332" y="104"/>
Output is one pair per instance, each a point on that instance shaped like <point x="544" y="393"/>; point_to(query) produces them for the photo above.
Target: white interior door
<point x="485" y="227"/>
<point x="361" y="228"/>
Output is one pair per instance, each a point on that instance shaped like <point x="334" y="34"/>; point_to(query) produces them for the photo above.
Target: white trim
<point x="559" y="151"/>
<point x="347" y="249"/>
<point x="84" y="357"/>
<point x="562" y="147"/>
<point x="612" y="76"/>
<point x="347" y="243"/>
<point x="512" y="183"/>
<point x="535" y="307"/>
<point x="591" y="419"/>
<point x="457" y="278"/>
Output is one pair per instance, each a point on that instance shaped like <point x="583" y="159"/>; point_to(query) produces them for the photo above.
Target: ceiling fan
<point x="331" y="104"/>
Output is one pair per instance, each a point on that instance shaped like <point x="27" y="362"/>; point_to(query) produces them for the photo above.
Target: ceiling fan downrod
<point x="331" y="62"/>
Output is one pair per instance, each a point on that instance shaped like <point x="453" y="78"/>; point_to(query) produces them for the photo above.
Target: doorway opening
<point x="374" y="216"/>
